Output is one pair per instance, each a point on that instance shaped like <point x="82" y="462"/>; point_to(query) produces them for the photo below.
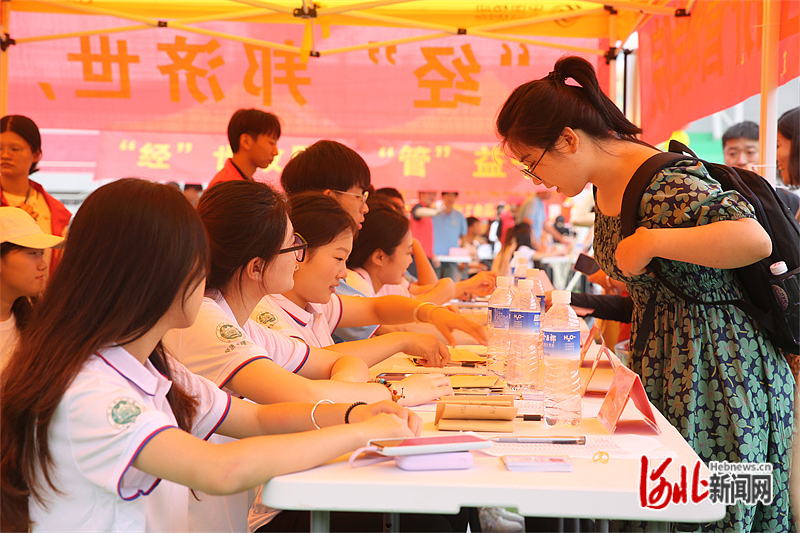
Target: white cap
<point x="561" y="297"/>
<point x="778" y="268"/>
<point x="532" y="273"/>
<point x="525" y="284"/>
<point x="18" y="227"/>
<point x="503" y="281"/>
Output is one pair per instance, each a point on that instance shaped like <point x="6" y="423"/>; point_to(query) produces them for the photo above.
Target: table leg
<point x="320" y="521"/>
<point x="602" y="526"/>
<point x="391" y="522"/>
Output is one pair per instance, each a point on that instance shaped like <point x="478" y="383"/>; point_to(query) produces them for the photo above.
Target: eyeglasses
<point x="298" y="247"/>
<point x="530" y="170"/>
<point x="363" y="196"/>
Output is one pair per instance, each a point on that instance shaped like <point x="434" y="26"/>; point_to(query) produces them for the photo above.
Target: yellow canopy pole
<point x="218" y="17"/>
<point x="322" y="11"/>
<point x="537" y="19"/>
<point x="397" y="21"/>
<point x="87" y="8"/>
<point x="231" y="37"/>
<point x="380" y="44"/>
<point x="279" y="8"/>
<point x="637" y="6"/>
<point x="5" y="23"/>
<point x="546" y="44"/>
<point x="612" y="56"/>
<point x="99" y="31"/>
<point x="768" y="138"/>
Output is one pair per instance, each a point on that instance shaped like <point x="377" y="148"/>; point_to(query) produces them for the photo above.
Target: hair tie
<point x="556" y="77"/>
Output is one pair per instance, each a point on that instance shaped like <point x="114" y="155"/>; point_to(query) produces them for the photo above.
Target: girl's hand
<point x="422" y="388"/>
<point x="633" y="253"/>
<point x="363" y="413"/>
<point x="481" y="284"/>
<point x="446" y="321"/>
<point x="432" y="350"/>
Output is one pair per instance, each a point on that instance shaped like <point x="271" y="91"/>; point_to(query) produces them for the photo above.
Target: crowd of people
<point x="164" y="353"/>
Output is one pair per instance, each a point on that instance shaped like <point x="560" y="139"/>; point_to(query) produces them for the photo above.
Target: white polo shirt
<point x="111" y="410"/>
<point x="313" y="325"/>
<point x="360" y="279"/>
<point x="217" y="348"/>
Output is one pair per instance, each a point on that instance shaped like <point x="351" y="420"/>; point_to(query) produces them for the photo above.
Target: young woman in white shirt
<point x="22" y="272"/>
<point x="311" y="309"/>
<point x="102" y="415"/>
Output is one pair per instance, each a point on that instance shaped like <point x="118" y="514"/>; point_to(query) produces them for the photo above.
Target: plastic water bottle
<point x="520" y="266"/>
<point x="522" y="373"/>
<point x="538" y="288"/>
<point x="499" y="311"/>
<point x="562" y="350"/>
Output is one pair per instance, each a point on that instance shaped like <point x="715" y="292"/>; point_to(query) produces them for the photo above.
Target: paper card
<point x="626" y="385"/>
<point x="590" y="340"/>
<point x="464" y="355"/>
<point x="486" y="426"/>
<point x="604" y="352"/>
<point x="503" y="400"/>
<point x="475" y="412"/>
<point x="460" y="381"/>
<point x="537" y="463"/>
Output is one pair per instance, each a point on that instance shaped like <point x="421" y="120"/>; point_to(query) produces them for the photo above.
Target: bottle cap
<point x="532" y="273"/>
<point x="525" y="284"/>
<point x="778" y="268"/>
<point x="503" y="281"/>
<point x="561" y="297"/>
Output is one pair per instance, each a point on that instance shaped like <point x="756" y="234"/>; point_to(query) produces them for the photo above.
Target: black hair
<point x="537" y="112"/>
<point x="193" y="187"/>
<point x="319" y="219"/>
<point x="253" y="122"/>
<point x="383" y="229"/>
<point x="243" y="220"/>
<point x="743" y="130"/>
<point x="789" y="127"/>
<point x="22" y="306"/>
<point x="325" y="165"/>
<point x="27" y="129"/>
<point x="390" y="192"/>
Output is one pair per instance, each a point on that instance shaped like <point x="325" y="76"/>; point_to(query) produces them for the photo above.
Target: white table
<point x="592" y="490"/>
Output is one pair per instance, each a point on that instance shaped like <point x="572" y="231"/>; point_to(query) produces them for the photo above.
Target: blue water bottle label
<point x="525" y="322"/>
<point x="562" y="344"/>
<point x="541" y="302"/>
<point x="499" y="317"/>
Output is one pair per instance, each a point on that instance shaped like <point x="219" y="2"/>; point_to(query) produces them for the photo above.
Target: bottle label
<point x="562" y="344"/>
<point x="499" y="317"/>
<point x="525" y="322"/>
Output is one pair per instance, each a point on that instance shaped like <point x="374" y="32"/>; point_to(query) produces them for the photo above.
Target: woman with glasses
<point x="711" y="370"/>
<point x="312" y="310"/>
<point x="254" y="252"/>
<point x="109" y="430"/>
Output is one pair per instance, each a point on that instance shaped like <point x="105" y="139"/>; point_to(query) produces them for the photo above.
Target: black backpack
<point x="772" y="301"/>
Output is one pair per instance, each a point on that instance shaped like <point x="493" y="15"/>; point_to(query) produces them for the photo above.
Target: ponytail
<point x="537" y="112"/>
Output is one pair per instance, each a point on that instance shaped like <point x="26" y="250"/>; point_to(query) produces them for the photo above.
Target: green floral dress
<point x="709" y="369"/>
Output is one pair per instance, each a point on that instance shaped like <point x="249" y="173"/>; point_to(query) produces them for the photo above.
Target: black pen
<point x="541" y="440"/>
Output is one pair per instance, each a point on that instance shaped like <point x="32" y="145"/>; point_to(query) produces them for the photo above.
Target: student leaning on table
<point x="311" y="310"/>
<point x="382" y="251"/>
<point x="104" y="417"/>
<point x="254" y="252"/>
<point x="710" y="369"/>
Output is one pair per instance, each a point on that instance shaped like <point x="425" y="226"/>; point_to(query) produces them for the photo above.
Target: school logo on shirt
<point x="266" y="318"/>
<point x="122" y="412"/>
<point x="227" y="332"/>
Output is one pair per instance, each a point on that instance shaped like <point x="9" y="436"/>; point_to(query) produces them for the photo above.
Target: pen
<point x="530" y="417"/>
<point x="542" y="440"/>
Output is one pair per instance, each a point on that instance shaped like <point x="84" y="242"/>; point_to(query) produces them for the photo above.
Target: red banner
<point x="697" y="65"/>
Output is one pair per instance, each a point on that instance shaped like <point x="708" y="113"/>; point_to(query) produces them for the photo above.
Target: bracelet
<point x="347" y="413"/>
<point x="314" y="409"/>
<point x="417" y="308"/>
<point x="395" y="395"/>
